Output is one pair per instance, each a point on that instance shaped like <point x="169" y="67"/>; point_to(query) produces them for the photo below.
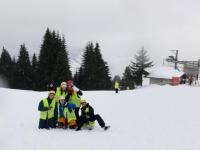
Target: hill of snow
<point x="150" y="118"/>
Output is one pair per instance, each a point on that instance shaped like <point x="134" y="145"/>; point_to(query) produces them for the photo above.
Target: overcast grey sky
<point x="120" y="26"/>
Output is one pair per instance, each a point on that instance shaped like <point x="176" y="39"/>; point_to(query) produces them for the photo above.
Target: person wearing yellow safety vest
<point x="117" y="86"/>
<point x="74" y="97"/>
<point x="127" y="88"/>
<point x="61" y="91"/>
<point x="66" y="114"/>
<point x="62" y="122"/>
<point x="87" y="115"/>
<point x="48" y="112"/>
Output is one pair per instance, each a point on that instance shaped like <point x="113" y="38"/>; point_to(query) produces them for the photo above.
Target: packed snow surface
<point x="149" y="118"/>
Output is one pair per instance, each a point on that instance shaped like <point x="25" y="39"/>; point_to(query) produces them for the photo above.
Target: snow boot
<point x="78" y="129"/>
<point x="106" y="128"/>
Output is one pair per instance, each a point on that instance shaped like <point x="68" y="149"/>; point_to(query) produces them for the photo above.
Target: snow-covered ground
<point x="149" y="118"/>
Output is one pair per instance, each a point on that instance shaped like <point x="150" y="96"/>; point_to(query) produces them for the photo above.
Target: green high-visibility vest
<point x="75" y="99"/>
<point x="58" y="94"/>
<point x="50" y="113"/>
<point x="70" y="115"/>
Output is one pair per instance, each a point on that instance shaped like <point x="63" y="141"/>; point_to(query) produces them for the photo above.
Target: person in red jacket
<point x="72" y="91"/>
<point x="190" y="80"/>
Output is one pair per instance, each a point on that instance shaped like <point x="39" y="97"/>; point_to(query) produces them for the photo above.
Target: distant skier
<point x="117" y="86"/>
<point x="48" y="112"/>
<point x="127" y="88"/>
<point x="88" y="117"/>
<point x="183" y="79"/>
<point x="190" y="80"/>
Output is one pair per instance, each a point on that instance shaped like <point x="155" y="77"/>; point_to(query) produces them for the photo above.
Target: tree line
<point x="52" y="65"/>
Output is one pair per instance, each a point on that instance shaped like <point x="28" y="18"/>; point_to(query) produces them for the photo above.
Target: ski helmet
<point x="70" y="83"/>
<point x="51" y="92"/>
<point x="83" y="101"/>
<point x="63" y="84"/>
<point x="61" y="98"/>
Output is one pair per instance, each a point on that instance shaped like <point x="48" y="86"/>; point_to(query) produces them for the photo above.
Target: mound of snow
<point x="150" y="118"/>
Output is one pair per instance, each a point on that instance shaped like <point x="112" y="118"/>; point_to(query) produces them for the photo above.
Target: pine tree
<point x="78" y="78"/>
<point x="53" y="60"/>
<point x="142" y="61"/>
<point x="128" y="79"/>
<point x="13" y="72"/>
<point x="23" y="72"/>
<point x="88" y="66"/>
<point x="62" y="68"/>
<point x="103" y="78"/>
<point x="6" y="66"/>
<point x="34" y="72"/>
<point x="46" y="61"/>
<point x="94" y="71"/>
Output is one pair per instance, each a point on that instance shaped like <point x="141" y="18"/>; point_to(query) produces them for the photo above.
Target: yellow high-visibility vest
<point x="91" y="123"/>
<point x="75" y="99"/>
<point x="70" y="115"/>
<point x="50" y="113"/>
<point x="58" y="94"/>
<point x="116" y="85"/>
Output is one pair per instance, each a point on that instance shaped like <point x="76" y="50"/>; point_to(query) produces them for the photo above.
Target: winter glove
<point x="87" y="114"/>
<point x="67" y="98"/>
<point x="48" y="108"/>
<point x="45" y="109"/>
<point x="86" y="120"/>
<point x="80" y="93"/>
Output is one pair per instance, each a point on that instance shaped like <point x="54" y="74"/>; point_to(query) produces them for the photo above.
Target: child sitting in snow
<point x="61" y="123"/>
<point x="66" y="114"/>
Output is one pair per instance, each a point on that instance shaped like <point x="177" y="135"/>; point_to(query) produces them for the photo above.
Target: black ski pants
<point x="84" y="119"/>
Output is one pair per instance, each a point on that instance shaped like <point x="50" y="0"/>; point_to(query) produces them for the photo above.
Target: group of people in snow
<point x="119" y="87"/>
<point x="62" y="107"/>
<point x="190" y="79"/>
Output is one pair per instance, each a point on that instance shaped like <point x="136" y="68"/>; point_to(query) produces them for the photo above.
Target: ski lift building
<point x="165" y="75"/>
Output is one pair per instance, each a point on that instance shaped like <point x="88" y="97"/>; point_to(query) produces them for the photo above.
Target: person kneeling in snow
<point x="66" y="114"/>
<point x="48" y="112"/>
<point x="62" y="122"/>
<point x="88" y="117"/>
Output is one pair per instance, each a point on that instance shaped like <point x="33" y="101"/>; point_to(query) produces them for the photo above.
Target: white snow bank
<point x="150" y="118"/>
